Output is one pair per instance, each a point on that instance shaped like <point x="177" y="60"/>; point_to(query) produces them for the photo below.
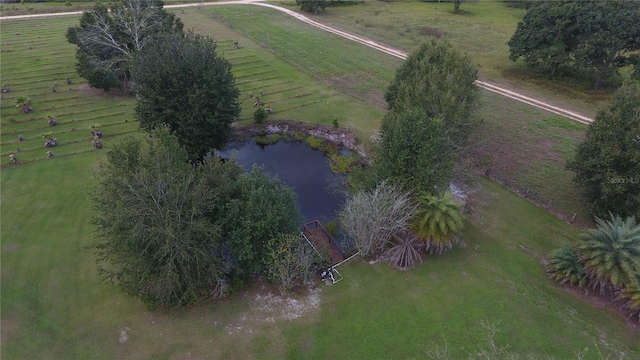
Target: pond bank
<point x="296" y="130"/>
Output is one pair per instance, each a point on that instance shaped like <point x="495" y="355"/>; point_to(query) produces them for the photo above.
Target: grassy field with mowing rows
<point x="52" y="305"/>
<point x="526" y="147"/>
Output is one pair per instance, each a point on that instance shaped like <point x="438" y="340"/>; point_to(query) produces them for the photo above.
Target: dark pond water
<point x="320" y="192"/>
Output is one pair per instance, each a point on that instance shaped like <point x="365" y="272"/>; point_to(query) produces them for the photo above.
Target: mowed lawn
<point x="53" y="306"/>
<point x="527" y="147"/>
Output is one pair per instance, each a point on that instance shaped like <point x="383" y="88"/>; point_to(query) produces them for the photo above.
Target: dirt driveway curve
<point x="372" y="44"/>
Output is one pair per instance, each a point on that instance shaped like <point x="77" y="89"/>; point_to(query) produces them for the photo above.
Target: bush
<point x="406" y="251"/>
<point x="260" y="115"/>
<point x="566" y="267"/>
<point x="372" y="218"/>
<point x="290" y="261"/>
<point x="266" y="139"/>
<point x="314" y="142"/>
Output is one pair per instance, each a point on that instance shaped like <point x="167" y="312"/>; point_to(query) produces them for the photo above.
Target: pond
<point x="320" y="192"/>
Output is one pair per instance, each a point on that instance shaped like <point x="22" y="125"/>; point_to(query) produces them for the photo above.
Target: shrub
<point x="341" y="164"/>
<point x="314" y="142"/>
<point x="260" y="115"/>
<point x="406" y="251"/>
<point x="266" y="139"/>
<point x="372" y="218"/>
<point x="631" y="295"/>
<point x="565" y="267"/>
<point x="290" y="261"/>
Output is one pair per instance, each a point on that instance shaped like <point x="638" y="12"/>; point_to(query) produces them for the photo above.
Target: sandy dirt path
<point x="510" y="93"/>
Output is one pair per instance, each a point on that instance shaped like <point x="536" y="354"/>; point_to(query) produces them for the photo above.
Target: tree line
<point x="177" y="224"/>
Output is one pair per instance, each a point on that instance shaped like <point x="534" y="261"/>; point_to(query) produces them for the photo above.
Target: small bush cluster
<point x="389" y="222"/>
<point x="606" y="258"/>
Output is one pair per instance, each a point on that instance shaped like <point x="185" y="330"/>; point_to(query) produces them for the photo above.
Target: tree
<point x="260" y="115"/>
<point x="456" y="6"/>
<point x="611" y="253"/>
<point x="158" y="227"/>
<point x="372" y="218"/>
<point x="49" y="140"/>
<point x="602" y="36"/>
<point x="24" y="103"/>
<point x="312" y="6"/>
<point x="440" y="80"/>
<point x="197" y="99"/>
<point x="262" y="209"/>
<point x="108" y="39"/>
<point x="608" y="37"/>
<point x="545" y="37"/>
<point x="51" y="120"/>
<point x="566" y="267"/>
<point x="290" y="261"/>
<point x="606" y="163"/>
<point x="406" y="250"/>
<point x="438" y="221"/>
<point x="414" y="151"/>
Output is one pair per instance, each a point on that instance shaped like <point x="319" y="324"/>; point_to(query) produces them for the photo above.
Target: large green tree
<point x="261" y="210"/>
<point x="607" y="162"/>
<point x="601" y="36"/>
<point x="545" y="37"/>
<point x="440" y="80"/>
<point x="108" y="39"/>
<point x="158" y="237"/>
<point x="608" y="37"/>
<point x="181" y="81"/>
<point x="414" y="151"/>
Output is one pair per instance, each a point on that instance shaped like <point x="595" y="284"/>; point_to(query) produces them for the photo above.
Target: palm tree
<point x="566" y="267"/>
<point x="51" y="120"/>
<point x="630" y="294"/>
<point x="438" y="221"/>
<point x="611" y="253"/>
<point x="50" y="141"/>
<point x="95" y="131"/>
<point x="25" y="103"/>
<point x="405" y="252"/>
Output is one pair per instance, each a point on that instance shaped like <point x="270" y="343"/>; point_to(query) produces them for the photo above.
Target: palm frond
<point x="438" y="220"/>
<point x="566" y="267"/>
<point x="611" y="253"/>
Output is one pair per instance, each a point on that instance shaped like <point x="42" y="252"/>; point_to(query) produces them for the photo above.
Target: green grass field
<point x="483" y="32"/>
<point x="525" y="150"/>
<point x="53" y="306"/>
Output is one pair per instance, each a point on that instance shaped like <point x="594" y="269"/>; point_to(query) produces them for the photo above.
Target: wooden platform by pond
<point x="324" y="243"/>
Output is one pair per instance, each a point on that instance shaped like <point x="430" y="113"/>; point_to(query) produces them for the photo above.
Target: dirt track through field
<point x="510" y="93"/>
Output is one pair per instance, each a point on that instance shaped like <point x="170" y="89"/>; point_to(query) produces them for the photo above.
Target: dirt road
<point x="510" y="93"/>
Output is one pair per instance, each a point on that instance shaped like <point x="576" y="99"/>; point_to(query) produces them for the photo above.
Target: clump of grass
<point x="341" y="164"/>
<point x="264" y="140"/>
<point x="314" y="142"/>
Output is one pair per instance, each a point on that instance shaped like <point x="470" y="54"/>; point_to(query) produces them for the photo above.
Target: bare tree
<point x="290" y="261"/>
<point x="109" y="38"/>
<point x="372" y="218"/>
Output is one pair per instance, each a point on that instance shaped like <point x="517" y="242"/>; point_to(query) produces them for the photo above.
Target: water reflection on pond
<point x="320" y="192"/>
